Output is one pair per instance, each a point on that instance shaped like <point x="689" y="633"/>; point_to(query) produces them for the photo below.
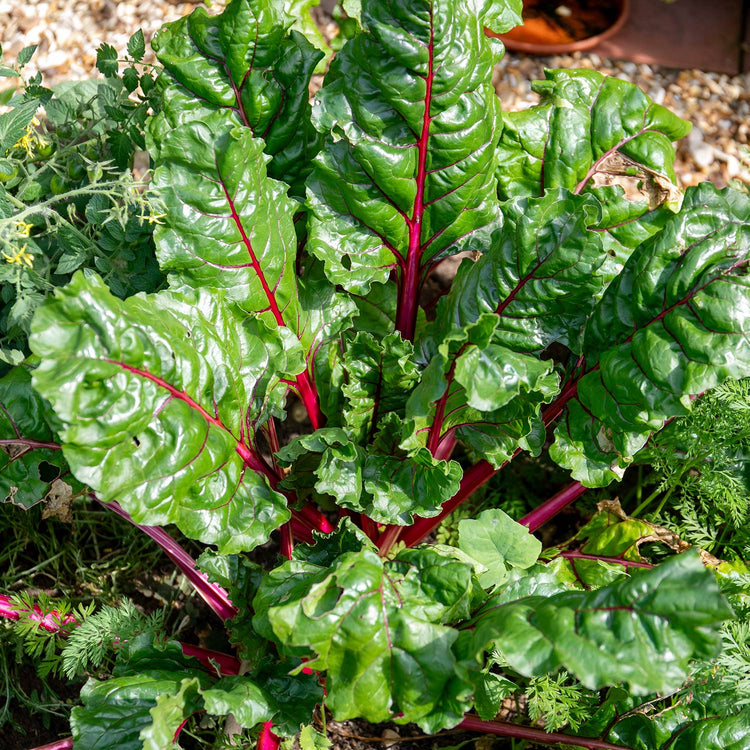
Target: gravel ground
<point x="718" y="105"/>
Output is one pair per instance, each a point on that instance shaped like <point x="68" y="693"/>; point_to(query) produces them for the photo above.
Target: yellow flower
<point x="152" y="218"/>
<point x="21" y="257"/>
<point x="28" y="139"/>
<point x="23" y="228"/>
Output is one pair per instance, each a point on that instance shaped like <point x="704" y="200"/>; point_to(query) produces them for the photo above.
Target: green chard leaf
<point x="497" y="542"/>
<point x="583" y="118"/>
<point x="376" y="628"/>
<point x="643" y="631"/>
<point x="160" y="393"/>
<point x="229" y="226"/>
<point x="484" y="393"/>
<point x="539" y="276"/>
<point x="410" y="122"/>
<point x="384" y="481"/>
<point x="673" y="324"/>
<point x="244" y="65"/>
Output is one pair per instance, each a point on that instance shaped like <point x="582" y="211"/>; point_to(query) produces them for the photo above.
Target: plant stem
<point x="408" y="298"/>
<point x="553" y="506"/>
<point x="578" y="555"/>
<point x="228" y="665"/>
<point x="213" y="594"/>
<point x="66" y="744"/>
<point x="30" y="443"/>
<point x="268" y="740"/>
<point x="530" y="734"/>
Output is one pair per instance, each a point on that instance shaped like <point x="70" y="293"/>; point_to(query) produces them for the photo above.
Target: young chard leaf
<point x="497" y="542"/>
<point x="366" y="623"/>
<point x="162" y="394"/>
<point x="410" y="126"/>
<point x="674" y="323"/>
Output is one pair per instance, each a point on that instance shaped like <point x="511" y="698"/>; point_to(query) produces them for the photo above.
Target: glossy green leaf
<point x="243" y="64"/>
<point x="355" y="618"/>
<point x="29" y="462"/>
<point x="115" y="712"/>
<point x="490" y="692"/>
<point x="379" y="375"/>
<point x="539" y="276"/>
<point x="681" y="732"/>
<point x="410" y="122"/>
<point x="485" y="393"/>
<point x="497" y="542"/>
<point x="159" y="392"/>
<point x="168" y="714"/>
<point x="643" y="631"/>
<point x="229" y="226"/>
<point x="502" y="15"/>
<point x="387" y="483"/>
<point x="240" y="696"/>
<point x="672" y="325"/>
<point x="582" y="119"/>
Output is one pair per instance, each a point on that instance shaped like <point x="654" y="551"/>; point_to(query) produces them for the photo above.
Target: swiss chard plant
<point x="299" y="243"/>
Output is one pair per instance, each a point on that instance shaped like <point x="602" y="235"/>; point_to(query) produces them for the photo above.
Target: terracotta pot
<point x="582" y="25"/>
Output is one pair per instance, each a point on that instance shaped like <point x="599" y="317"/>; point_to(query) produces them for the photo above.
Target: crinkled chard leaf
<point x="539" y="276"/>
<point x="410" y="123"/>
<point x="384" y="481"/>
<point x="672" y="325"/>
<point x="244" y="65"/>
<point x="582" y="119"/>
<point x="229" y="226"/>
<point x="29" y="462"/>
<point x="379" y="375"/>
<point x="374" y="626"/>
<point x="160" y="395"/>
<point x="684" y="728"/>
<point x="484" y="393"/>
<point x="643" y="631"/>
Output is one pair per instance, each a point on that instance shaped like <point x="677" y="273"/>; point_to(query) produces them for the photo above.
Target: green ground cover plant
<point x="298" y="242"/>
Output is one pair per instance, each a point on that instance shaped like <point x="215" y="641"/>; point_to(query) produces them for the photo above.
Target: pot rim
<point x="537" y="48"/>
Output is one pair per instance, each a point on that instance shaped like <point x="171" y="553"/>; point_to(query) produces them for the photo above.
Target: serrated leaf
<point x="130" y="79"/>
<point x="383" y="658"/>
<point x="137" y="46"/>
<point x="13" y="124"/>
<point x="244" y="65"/>
<point x="106" y="60"/>
<point x="159" y="389"/>
<point x="642" y="631"/>
<point x="497" y="542"/>
<point x="490" y="692"/>
<point x="410" y="122"/>
<point x="25" y="55"/>
<point x="674" y="323"/>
